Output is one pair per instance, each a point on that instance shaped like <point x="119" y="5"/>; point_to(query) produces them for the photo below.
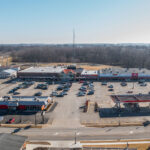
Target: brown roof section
<point x="66" y="71"/>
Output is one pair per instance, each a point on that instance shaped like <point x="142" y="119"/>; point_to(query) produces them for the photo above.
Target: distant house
<point x="68" y="74"/>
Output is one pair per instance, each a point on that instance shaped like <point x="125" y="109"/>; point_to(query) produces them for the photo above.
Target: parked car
<point x="110" y="90"/>
<point x="91" y="88"/>
<point x="90" y="85"/>
<point x="85" y="83"/>
<point x="141" y="81"/>
<point x="60" y="95"/>
<point x="67" y="85"/>
<point x="90" y="93"/>
<point x="66" y="89"/>
<point x="11" y="120"/>
<point x="49" y="83"/>
<point x="53" y="94"/>
<point x="64" y="93"/>
<point x="11" y="91"/>
<point x="42" y="86"/>
<point x="13" y="82"/>
<point x="123" y="84"/>
<point x="81" y="81"/>
<point x="143" y="84"/>
<point x="38" y="94"/>
<point x="110" y="86"/>
<point x="63" y="82"/>
<point x="80" y="94"/>
<point x="104" y="83"/>
<point x="59" y="88"/>
<point x="82" y="88"/>
<point x="16" y="88"/>
<point x="16" y="93"/>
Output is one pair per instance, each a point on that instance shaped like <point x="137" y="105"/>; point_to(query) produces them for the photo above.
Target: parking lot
<point x="67" y="112"/>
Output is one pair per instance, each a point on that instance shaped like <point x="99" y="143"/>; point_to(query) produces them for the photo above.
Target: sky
<point x="94" y="21"/>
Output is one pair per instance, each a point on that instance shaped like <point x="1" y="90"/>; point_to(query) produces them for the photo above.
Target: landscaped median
<point x="142" y="144"/>
<point x="24" y="125"/>
<point x="114" y="124"/>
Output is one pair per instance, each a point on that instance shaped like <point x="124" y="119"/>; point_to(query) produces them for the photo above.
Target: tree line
<point x="128" y="56"/>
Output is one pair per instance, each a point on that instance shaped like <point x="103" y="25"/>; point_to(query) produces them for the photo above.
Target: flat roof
<point x="43" y="69"/>
<point x="10" y="71"/>
<point x="131" y="98"/>
<point x="25" y="100"/>
<point x="89" y="72"/>
<point x="124" y="71"/>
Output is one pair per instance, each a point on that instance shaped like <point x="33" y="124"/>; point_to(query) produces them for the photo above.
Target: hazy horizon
<point x="75" y="43"/>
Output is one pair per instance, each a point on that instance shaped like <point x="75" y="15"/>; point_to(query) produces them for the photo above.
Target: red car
<point x="11" y="120"/>
<point x="81" y="81"/>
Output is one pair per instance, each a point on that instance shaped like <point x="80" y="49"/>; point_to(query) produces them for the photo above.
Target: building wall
<point x="24" y="75"/>
<point x="23" y="107"/>
<point x="29" y="107"/>
<point x="68" y="76"/>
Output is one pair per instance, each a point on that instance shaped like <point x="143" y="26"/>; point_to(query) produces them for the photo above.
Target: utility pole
<point x="73" y="44"/>
<point x="73" y="38"/>
<point x="127" y="146"/>
<point x="133" y="85"/>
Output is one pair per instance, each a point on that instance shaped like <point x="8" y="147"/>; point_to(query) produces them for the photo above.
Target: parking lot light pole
<point x="42" y="114"/>
<point x="75" y="140"/>
<point x="133" y="86"/>
<point x="35" y="118"/>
